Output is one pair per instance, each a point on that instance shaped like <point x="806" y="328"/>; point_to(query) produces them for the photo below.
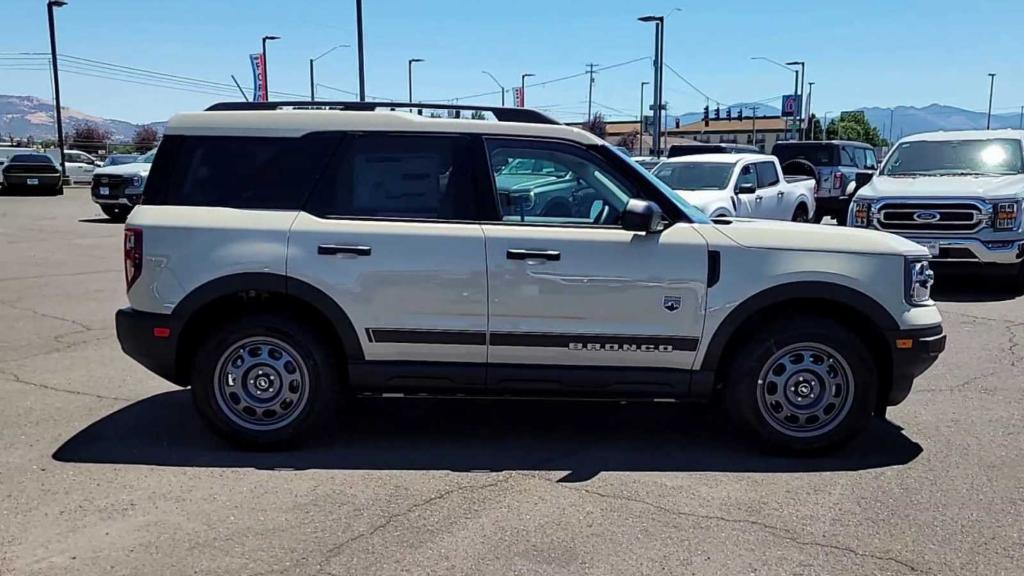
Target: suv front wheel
<point x="802" y="385"/>
<point x="263" y="381"/>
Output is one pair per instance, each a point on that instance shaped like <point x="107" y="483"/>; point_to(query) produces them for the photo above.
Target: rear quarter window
<point x="238" y="172"/>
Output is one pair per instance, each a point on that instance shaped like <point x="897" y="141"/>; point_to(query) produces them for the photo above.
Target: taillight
<point x="837" y="181"/>
<point x="132" y="256"/>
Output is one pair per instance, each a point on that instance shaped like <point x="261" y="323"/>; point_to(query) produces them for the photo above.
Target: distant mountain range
<point x="23" y="116"/>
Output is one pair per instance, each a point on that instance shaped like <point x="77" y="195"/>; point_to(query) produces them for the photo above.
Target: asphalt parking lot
<point x="104" y="468"/>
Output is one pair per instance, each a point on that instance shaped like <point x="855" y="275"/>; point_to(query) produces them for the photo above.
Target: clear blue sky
<point x="882" y="53"/>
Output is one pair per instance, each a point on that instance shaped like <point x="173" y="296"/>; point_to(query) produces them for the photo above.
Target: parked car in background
<point x="80" y="165"/>
<point x="679" y="150"/>
<point x="839" y="167"/>
<point x="6" y="152"/>
<point x="32" y="172"/>
<point x="117" y="189"/>
<point x="119" y="159"/>
<point x="958" y="194"/>
<point x="744" y="185"/>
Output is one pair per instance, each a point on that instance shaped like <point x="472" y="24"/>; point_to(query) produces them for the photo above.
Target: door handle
<point x="550" y="255"/>
<point x="758" y="199"/>
<point x="332" y="250"/>
<point x="781" y="194"/>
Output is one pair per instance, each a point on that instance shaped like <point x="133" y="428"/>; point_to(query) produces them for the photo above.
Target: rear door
<point x="574" y="294"/>
<point x="391" y="235"/>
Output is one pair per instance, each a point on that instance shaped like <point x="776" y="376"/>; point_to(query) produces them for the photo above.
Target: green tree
<point x="854" y="127"/>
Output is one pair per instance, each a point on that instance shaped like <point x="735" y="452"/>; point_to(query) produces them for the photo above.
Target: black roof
<point x="830" y="142"/>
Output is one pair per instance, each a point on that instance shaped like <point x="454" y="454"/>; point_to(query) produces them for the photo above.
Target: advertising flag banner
<point x="259" y="79"/>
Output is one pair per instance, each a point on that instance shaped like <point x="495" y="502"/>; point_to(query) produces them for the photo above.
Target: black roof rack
<point x="501" y="114"/>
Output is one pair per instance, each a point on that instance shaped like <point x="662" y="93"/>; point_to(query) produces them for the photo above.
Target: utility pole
<point x="1022" y="117"/>
<point x="753" y="125"/>
<point x="590" y="91"/>
<point x="56" y="85"/>
<point x="640" y="152"/>
<point x="991" y="89"/>
<point x="892" y="115"/>
<point x="359" y="43"/>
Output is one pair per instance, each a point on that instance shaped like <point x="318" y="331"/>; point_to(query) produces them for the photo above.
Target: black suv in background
<point x="677" y="150"/>
<point x="840" y="167"/>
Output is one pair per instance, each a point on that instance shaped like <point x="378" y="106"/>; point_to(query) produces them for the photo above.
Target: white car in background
<point x="80" y="165"/>
<point x="739" y="185"/>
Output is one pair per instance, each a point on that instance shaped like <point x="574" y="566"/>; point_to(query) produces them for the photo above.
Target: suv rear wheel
<point x="802" y="385"/>
<point x="263" y="381"/>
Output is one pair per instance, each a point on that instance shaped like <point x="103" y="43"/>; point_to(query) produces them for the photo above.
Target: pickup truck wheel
<point x="263" y="381"/>
<point x="805" y="385"/>
<point x="800" y="214"/>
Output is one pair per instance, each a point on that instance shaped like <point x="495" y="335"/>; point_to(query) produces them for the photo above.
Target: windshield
<point x="147" y="158"/>
<point x="120" y="159"/>
<point x="695" y="215"/>
<point x="994" y="157"/>
<point x="534" y="167"/>
<point x="30" y="159"/>
<point x="695" y="175"/>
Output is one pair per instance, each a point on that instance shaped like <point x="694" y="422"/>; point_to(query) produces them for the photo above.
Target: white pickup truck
<point x="958" y="194"/>
<point x="744" y="185"/>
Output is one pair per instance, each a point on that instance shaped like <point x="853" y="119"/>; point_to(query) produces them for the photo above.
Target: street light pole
<point x="640" y="152"/>
<point x="312" y="85"/>
<point x="411" y="62"/>
<point x="499" y="86"/>
<point x="359" y="43"/>
<point x="802" y="78"/>
<point x="809" y="131"/>
<point x="659" y="49"/>
<point x="56" y="85"/>
<point x="266" y="66"/>
<point x="796" y="79"/>
<point x="522" y="87"/>
<point x="991" y="89"/>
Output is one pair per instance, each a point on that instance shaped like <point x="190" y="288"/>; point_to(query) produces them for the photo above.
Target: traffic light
<point x="707" y="112"/>
<point x="739" y="115"/>
<point x="728" y="114"/>
<point x="718" y="112"/>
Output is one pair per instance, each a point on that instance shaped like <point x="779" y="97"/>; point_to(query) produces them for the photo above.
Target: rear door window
<point x="847" y="156"/>
<point x="767" y="175"/>
<point x="397" y="176"/>
<point x="239" y="172"/>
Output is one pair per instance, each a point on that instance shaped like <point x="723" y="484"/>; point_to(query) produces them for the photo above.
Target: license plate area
<point x="32" y="181"/>
<point x="932" y="246"/>
<point x="104" y="190"/>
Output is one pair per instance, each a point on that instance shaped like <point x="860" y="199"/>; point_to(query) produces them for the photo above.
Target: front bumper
<point x="135" y="332"/>
<point x="913" y="352"/>
<point x="126" y="197"/>
<point x="974" y="250"/>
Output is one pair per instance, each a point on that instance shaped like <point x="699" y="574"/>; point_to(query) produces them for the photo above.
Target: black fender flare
<point x="816" y="290"/>
<point x="274" y="283"/>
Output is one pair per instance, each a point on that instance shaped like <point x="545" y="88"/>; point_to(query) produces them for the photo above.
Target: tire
<point x="1018" y="279"/>
<point x="115" y="213"/>
<point x="289" y="381"/>
<point x="800" y="214"/>
<point x="827" y="395"/>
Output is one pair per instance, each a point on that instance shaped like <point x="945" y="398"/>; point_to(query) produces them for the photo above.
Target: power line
<point x="692" y="85"/>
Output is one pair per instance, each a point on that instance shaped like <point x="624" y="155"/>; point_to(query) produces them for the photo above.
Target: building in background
<point x="769" y="129"/>
<point x="617" y="130"/>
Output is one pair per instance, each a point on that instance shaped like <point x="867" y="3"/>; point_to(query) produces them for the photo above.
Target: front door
<point x="390" y="234"/>
<point x="770" y="201"/>
<point x="578" y="290"/>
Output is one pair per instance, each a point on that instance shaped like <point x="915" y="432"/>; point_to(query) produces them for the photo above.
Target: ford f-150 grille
<point x="963" y="217"/>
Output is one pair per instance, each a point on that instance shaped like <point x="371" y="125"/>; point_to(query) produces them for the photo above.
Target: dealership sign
<point x="259" y="78"/>
<point x="519" y="97"/>
<point x="791" y="105"/>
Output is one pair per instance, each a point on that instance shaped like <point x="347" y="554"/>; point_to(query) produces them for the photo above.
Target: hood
<point x="987" y="187"/>
<point x="703" y="200"/>
<point x="521" y="181"/>
<point x="135" y="168"/>
<point x="778" y="235"/>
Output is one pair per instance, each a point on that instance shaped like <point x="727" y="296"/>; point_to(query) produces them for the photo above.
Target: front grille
<point x="963" y="217"/>
<point x="114" y="182"/>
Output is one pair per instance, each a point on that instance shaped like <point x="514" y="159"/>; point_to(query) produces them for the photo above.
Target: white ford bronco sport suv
<point x="958" y="194"/>
<point x="284" y="256"/>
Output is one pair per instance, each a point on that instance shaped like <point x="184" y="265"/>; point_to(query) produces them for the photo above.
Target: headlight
<point x="138" y="181"/>
<point x="920" y="279"/>
<point x="1004" y="216"/>
<point x="862" y="213"/>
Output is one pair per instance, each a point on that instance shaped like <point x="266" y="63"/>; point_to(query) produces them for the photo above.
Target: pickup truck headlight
<point x="138" y="181"/>
<point x="1004" y="215"/>
<point x="920" y="278"/>
<point x="862" y="213"/>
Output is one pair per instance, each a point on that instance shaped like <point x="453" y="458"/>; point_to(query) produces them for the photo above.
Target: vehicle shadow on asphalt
<point x="99" y="220"/>
<point x="582" y="438"/>
<point x="972" y="284"/>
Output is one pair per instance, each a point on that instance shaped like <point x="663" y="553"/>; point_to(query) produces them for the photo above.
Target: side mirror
<point x="746" y="188"/>
<point x="642" y="216"/>
<point x="863" y="178"/>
